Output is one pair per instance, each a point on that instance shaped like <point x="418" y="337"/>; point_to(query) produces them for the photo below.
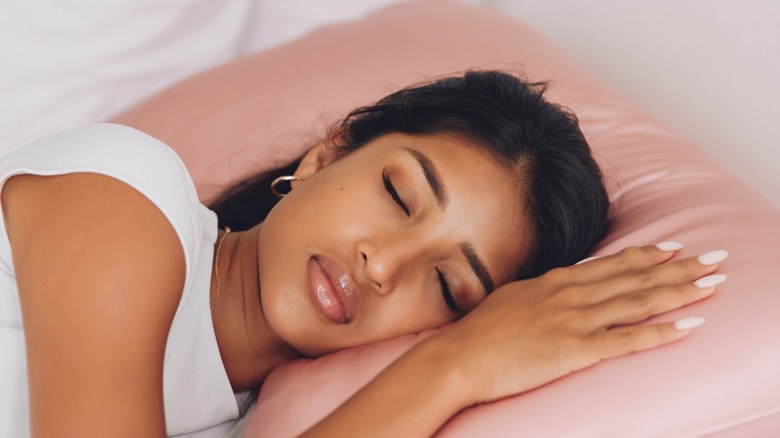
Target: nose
<point x="385" y="265"/>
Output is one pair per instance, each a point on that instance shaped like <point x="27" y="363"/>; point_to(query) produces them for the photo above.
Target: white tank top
<point x="196" y="388"/>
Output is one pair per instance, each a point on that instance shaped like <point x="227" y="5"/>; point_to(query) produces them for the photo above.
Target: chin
<point x="309" y="345"/>
<point x="296" y="323"/>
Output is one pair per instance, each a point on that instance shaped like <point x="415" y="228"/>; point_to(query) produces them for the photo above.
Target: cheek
<point x="282" y="259"/>
<point x="324" y="207"/>
<point x="303" y="224"/>
<point x="412" y="309"/>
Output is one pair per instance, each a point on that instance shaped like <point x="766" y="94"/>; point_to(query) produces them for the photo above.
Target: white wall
<point x="709" y="68"/>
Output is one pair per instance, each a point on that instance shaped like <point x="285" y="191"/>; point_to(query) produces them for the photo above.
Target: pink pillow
<point x="263" y="110"/>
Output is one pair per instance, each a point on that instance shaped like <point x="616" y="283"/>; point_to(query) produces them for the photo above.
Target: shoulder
<point x="98" y="232"/>
<point x="92" y="222"/>
<point x="100" y="162"/>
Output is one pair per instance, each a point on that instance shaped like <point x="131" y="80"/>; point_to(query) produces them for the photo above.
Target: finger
<point x="642" y="304"/>
<point x="665" y="274"/>
<point x="628" y="339"/>
<point x="629" y="259"/>
<point x="587" y="260"/>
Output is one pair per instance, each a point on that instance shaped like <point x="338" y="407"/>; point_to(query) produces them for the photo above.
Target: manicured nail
<point x="689" y="323"/>
<point x="712" y="257"/>
<point x="710" y="281"/>
<point x="670" y="246"/>
<point x="587" y="259"/>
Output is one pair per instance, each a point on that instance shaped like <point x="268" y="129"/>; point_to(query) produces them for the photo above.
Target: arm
<point x="525" y="334"/>
<point x="100" y="273"/>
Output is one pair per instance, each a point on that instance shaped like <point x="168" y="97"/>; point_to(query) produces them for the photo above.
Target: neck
<point x="248" y="347"/>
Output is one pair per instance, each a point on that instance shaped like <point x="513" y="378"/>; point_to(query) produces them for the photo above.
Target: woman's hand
<point x="528" y="333"/>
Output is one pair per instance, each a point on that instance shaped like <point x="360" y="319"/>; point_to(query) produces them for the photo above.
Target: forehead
<point x="485" y="201"/>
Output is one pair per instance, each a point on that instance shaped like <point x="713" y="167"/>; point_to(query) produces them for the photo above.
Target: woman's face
<point x="404" y="234"/>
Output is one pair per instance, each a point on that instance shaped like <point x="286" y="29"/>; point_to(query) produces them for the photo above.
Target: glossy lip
<point x="342" y="286"/>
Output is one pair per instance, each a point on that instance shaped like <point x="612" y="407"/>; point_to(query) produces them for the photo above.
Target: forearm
<point x="414" y="396"/>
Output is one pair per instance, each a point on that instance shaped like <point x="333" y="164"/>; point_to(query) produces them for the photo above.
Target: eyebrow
<point x="477" y="266"/>
<point x="440" y="193"/>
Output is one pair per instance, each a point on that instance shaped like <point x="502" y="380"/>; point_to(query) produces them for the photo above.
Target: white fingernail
<point x="710" y="281"/>
<point x="689" y="323"/>
<point x="587" y="259"/>
<point x="670" y="246"/>
<point x="712" y="257"/>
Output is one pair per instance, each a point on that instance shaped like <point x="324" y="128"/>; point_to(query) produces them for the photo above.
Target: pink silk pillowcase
<point x="263" y="110"/>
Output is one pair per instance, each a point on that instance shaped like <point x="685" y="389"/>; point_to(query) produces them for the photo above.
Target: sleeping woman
<point x="467" y="201"/>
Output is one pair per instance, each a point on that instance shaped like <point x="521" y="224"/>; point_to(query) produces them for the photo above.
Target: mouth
<point x="332" y="290"/>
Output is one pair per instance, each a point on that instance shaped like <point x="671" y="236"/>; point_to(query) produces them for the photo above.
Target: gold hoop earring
<point x="280" y="179"/>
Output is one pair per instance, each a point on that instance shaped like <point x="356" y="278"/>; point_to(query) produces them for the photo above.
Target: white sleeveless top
<point x="196" y="388"/>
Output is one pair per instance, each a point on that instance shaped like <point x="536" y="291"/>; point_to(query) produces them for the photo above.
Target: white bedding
<point x="65" y="63"/>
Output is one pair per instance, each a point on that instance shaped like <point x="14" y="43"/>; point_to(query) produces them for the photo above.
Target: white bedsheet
<point x="66" y="63"/>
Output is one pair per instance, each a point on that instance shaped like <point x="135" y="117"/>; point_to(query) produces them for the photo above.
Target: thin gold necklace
<point x="216" y="269"/>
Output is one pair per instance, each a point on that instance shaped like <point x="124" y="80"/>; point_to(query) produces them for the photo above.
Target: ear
<point x="318" y="157"/>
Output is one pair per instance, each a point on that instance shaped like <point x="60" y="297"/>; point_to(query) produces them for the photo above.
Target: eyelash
<point x="445" y="288"/>
<point x="394" y="193"/>
<point x="445" y="291"/>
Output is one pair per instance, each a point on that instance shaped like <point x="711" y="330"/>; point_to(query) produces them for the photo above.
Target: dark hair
<point x="540" y="142"/>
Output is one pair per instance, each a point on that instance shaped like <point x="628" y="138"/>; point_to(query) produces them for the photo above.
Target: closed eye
<point x="445" y="291"/>
<point x="394" y="193"/>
